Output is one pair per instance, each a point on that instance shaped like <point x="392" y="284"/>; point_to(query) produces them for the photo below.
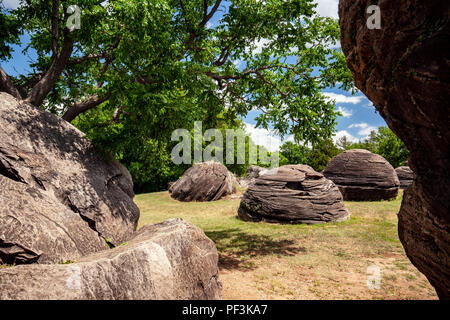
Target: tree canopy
<point x="136" y="70"/>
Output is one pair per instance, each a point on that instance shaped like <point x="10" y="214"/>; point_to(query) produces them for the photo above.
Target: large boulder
<point x="254" y="172"/>
<point x="362" y="176"/>
<point x="403" y="68"/>
<point x="292" y="194"/>
<point x="60" y="198"/>
<point x="206" y="181"/>
<point x="405" y="176"/>
<point x="170" y="260"/>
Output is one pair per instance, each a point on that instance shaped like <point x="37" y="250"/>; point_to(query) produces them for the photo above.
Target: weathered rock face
<point x="251" y="174"/>
<point x="254" y="172"/>
<point x="36" y="228"/>
<point x="207" y="181"/>
<point x="405" y="176"/>
<point x="362" y="176"/>
<point x="403" y="68"/>
<point x="170" y="260"/>
<point x="59" y="198"/>
<point x="292" y="194"/>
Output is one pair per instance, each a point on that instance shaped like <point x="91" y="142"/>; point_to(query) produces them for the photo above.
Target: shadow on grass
<point x="237" y="248"/>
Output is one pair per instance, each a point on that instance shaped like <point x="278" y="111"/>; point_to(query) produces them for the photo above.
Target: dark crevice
<point x="11" y="253"/>
<point x="9" y="172"/>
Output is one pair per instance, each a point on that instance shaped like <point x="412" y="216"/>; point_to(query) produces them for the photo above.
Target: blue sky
<point x="359" y="115"/>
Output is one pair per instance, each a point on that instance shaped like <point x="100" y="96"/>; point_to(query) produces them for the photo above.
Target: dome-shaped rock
<point x="405" y="176"/>
<point x="292" y="194"/>
<point x="207" y="181"/>
<point x="363" y="176"/>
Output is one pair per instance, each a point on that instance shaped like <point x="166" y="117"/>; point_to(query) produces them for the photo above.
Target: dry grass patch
<point x="328" y="261"/>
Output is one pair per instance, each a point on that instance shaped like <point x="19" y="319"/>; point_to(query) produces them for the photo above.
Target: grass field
<point x="328" y="261"/>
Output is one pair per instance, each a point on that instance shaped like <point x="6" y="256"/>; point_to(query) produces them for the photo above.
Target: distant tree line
<point x="383" y="142"/>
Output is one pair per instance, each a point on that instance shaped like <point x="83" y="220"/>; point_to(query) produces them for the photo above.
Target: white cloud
<point x="265" y="138"/>
<point x="340" y="98"/>
<point x="342" y="133"/>
<point x="11" y="4"/>
<point x="364" y="128"/>
<point x="258" y="46"/>
<point x="328" y="8"/>
<point x="346" y="113"/>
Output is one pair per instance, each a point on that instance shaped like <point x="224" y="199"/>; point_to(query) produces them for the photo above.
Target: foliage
<point x="317" y="157"/>
<point x="138" y="69"/>
<point x="383" y="142"/>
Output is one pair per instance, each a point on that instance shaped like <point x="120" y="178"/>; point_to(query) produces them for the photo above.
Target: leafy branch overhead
<point x="140" y="56"/>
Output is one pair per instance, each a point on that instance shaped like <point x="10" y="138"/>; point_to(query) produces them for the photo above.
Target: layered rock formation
<point x="59" y="198"/>
<point x="207" y="181"/>
<point x="254" y="172"/>
<point x="292" y="194"/>
<point x="362" y="176"/>
<point x="63" y="205"/>
<point x="170" y="260"/>
<point x="405" y="176"/>
<point x="403" y="68"/>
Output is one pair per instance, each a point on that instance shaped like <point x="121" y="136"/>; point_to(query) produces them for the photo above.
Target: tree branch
<point x="207" y="17"/>
<point x="59" y="62"/>
<point x="7" y="85"/>
<point x="84" y="106"/>
<point x="55" y="27"/>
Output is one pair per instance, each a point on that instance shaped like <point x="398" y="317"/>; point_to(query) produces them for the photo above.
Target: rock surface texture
<point x="59" y="198"/>
<point x="404" y="70"/>
<point x="292" y="194"/>
<point x="363" y="176"/>
<point x="405" y="176"/>
<point x="207" y="181"/>
<point x="251" y="174"/>
<point x="170" y="260"/>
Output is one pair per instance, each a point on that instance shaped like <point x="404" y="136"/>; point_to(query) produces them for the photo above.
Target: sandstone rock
<point x="36" y="228"/>
<point x="170" y="260"/>
<point x="254" y="172"/>
<point x="405" y="176"/>
<point x="362" y="176"/>
<point x="403" y="68"/>
<point x="207" y="181"/>
<point x="292" y="194"/>
<point x="57" y="170"/>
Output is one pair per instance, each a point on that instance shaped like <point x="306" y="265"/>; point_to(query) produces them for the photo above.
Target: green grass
<point x="276" y="260"/>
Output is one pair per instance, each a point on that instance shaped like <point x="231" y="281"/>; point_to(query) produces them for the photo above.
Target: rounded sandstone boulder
<point x="207" y="181"/>
<point x="292" y="194"/>
<point x="405" y="176"/>
<point x="363" y="176"/>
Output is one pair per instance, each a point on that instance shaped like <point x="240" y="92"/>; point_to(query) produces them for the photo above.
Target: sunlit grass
<point x="283" y="261"/>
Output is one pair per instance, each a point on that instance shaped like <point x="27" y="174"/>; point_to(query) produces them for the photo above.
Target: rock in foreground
<point x="207" y="181"/>
<point x="292" y="194"/>
<point x="363" y="176"/>
<point x="404" y="69"/>
<point x="405" y="176"/>
<point x="170" y="260"/>
<point x="60" y="199"/>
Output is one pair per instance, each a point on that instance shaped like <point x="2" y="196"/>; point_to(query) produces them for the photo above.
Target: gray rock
<point x="251" y="174"/>
<point x="59" y="170"/>
<point x="362" y="176"/>
<point x="36" y="228"/>
<point x="207" y="181"/>
<point x="254" y="172"/>
<point x="170" y="260"/>
<point x="292" y="194"/>
<point x="405" y="176"/>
